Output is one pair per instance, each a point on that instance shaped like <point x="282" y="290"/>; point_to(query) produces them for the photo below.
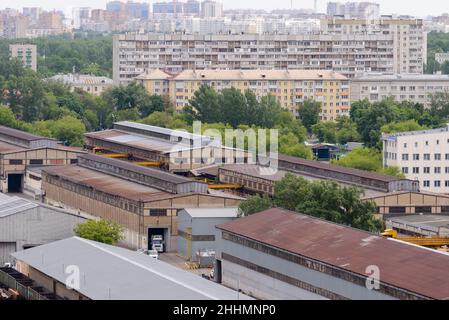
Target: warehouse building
<point x="134" y="276"/>
<point x="173" y="150"/>
<point x="25" y="224"/>
<point x="410" y="203"/>
<point x="279" y="254"/>
<point x="19" y="149"/>
<point x="196" y="230"/>
<point x="144" y="201"/>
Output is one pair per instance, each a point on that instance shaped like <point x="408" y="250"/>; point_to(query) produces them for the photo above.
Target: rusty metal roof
<point x="7" y="147"/>
<point x="159" y="174"/>
<point x="402" y="265"/>
<point x="106" y="183"/>
<point x="340" y="169"/>
<point x="21" y="134"/>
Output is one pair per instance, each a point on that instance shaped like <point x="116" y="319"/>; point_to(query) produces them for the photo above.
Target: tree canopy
<point x="103" y="231"/>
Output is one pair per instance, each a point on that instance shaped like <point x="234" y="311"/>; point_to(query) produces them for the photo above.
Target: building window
<point x="423" y="209"/>
<point x="405" y="157"/>
<point x="405" y="170"/>
<point x="445" y="209"/>
<point x="158" y="212"/>
<point x="15" y="161"/>
<point x="437" y="156"/>
<point x="426" y="169"/>
<point x="36" y="161"/>
<point x="426" y="156"/>
<point x="396" y="210"/>
<point x="73" y="161"/>
<point x="437" y="170"/>
<point x="437" y="183"/>
<point x="426" y="183"/>
<point x="416" y="156"/>
<point x="446" y="183"/>
<point x="447" y="156"/>
<point x="415" y="169"/>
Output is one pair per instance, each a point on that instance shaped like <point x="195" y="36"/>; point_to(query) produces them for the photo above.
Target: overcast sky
<point x="419" y="8"/>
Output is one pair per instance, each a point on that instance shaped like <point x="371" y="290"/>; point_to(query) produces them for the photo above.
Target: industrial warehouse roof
<point x="112" y="273"/>
<point x="340" y="169"/>
<point x="138" y="141"/>
<point x="212" y="212"/>
<point x="159" y="174"/>
<point x="290" y="74"/>
<point x="402" y="265"/>
<point x="7" y="147"/>
<point x="107" y="183"/>
<point x="21" y="134"/>
<point x="254" y="170"/>
<point x="12" y="205"/>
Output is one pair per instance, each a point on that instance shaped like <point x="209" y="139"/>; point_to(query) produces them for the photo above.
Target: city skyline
<point x="430" y="7"/>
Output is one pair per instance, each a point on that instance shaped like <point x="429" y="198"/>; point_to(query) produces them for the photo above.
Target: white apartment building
<point x="396" y="46"/>
<point x="211" y="9"/>
<point x="402" y="87"/>
<point x="88" y="83"/>
<point x="421" y="155"/>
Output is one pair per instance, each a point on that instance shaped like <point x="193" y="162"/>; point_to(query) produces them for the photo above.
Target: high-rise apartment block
<point x="211" y="9"/>
<point x="289" y="87"/>
<point x="362" y="10"/>
<point x="27" y="53"/>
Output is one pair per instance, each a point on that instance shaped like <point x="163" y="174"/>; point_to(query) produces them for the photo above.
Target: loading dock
<point x="164" y="232"/>
<point x="15" y="182"/>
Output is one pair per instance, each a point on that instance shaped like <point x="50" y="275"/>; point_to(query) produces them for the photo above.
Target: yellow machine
<point x="115" y="155"/>
<point x="149" y="163"/>
<point x="433" y="241"/>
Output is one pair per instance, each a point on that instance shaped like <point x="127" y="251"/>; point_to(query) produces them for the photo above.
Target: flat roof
<point x="414" y="133"/>
<point x="12" y="205"/>
<point x="400" y="77"/>
<point x="113" y="273"/>
<point x="21" y="134"/>
<point x="436" y="221"/>
<point x="212" y="212"/>
<point x="107" y="183"/>
<point x="402" y="265"/>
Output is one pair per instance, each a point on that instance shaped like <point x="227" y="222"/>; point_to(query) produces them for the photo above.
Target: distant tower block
<point x="315" y="6"/>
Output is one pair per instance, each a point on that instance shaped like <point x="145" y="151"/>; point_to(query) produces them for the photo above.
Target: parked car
<point x="153" y="254"/>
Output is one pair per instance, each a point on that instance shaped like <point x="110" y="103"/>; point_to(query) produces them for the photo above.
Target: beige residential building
<point x="27" y="53"/>
<point x="88" y="83"/>
<point x="408" y="35"/>
<point x="401" y="87"/>
<point x="290" y="87"/>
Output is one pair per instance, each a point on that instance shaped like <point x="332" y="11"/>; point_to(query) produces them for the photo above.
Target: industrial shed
<point x="25" y="224"/>
<point x="142" y="205"/>
<point x="279" y="254"/>
<point x="19" y="149"/>
<point x="173" y="150"/>
<point x="112" y="273"/>
<point x="196" y="229"/>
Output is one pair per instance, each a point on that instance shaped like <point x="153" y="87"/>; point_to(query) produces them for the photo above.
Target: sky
<point x="418" y="8"/>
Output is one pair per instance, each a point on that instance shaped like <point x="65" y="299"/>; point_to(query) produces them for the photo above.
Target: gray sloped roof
<point x="12" y="205"/>
<point x="108" y="272"/>
<point x="212" y="212"/>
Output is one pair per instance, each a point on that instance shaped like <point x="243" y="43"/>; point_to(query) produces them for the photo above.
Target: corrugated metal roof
<point x="340" y="169"/>
<point x="254" y="170"/>
<point x="212" y="212"/>
<point x="12" y="205"/>
<point x="112" y="273"/>
<point x="401" y="265"/>
<point x="159" y="174"/>
<point x="7" y="147"/>
<point x="21" y="134"/>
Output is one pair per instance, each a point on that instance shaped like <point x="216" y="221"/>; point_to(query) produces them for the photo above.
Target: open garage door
<point x="15" y="183"/>
<point x="6" y="248"/>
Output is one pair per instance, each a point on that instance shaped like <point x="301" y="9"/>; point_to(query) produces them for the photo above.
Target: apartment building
<point x="361" y="10"/>
<point x="422" y="156"/>
<point x="390" y="46"/>
<point x="88" y="83"/>
<point x="290" y="87"/>
<point x="408" y="35"/>
<point x="27" y="53"/>
<point x="401" y="87"/>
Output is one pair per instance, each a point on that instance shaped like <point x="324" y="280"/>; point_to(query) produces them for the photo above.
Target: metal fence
<point x="21" y="284"/>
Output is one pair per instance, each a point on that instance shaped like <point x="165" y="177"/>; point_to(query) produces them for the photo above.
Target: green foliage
<point x="103" y="231"/>
<point x="436" y="42"/>
<point x="322" y="199"/>
<point x="291" y="146"/>
<point x="309" y="113"/>
<point x="255" y="204"/>
<point x="368" y="160"/>
<point x="403" y="126"/>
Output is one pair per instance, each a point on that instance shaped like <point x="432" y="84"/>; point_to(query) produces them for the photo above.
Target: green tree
<point x="309" y="113"/>
<point x="101" y="231"/>
<point x="206" y="105"/>
<point x="403" y="126"/>
<point x="254" y="204"/>
<point x="290" y="145"/>
<point x="7" y="118"/>
<point x="361" y="158"/>
<point x="69" y="130"/>
<point x="326" y="131"/>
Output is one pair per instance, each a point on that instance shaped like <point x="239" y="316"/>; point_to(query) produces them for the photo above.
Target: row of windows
<point x="426" y="156"/>
<point x="426" y="170"/>
<point x="39" y="161"/>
